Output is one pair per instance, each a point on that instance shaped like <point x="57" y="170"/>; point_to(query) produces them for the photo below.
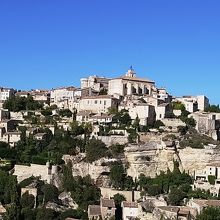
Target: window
<point x="96" y="101"/>
<point x="104" y="102"/>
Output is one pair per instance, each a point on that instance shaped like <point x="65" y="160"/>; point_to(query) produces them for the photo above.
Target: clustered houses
<point x="203" y="181"/>
<point x="194" y="103"/>
<point x="42" y="96"/>
<point x="92" y="103"/>
<point x="5" y="93"/>
<point x="207" y="123"/>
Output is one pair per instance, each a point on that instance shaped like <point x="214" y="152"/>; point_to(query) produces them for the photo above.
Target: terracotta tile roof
<point x="204" y="203"/>
<point x="107" y="203"/>
<point x="94" y="210"/>
<point x="129" y="204"/>
<point x="84" y="113"/>
<point x="214" y="164"/>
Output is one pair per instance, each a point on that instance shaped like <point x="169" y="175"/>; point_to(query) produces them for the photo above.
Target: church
<point x="129" y="84"/>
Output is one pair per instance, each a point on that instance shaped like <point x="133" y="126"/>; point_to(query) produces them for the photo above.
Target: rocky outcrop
<point x="82" y="168"/>
<point x="67" y="201"/>
<point x="151" y="159"/>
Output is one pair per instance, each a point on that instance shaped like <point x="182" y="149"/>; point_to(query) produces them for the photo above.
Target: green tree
<point x="45" y="214"/>
<point x="117" y="149"/>
<point x="65" y="113"/>
<point x="158" y="124"/>
<point x="176" y="196"/>
<point x="119" y="198"/>
<point x="209" y="213"/>
<point x="50" y="192"/>
<point x="27" y="201"/>
<point x="28" y="214"/>
<point x="213" y="108"/>
<point x="95" y="149"/>
<point x="117" y="176"/>
<point x="211" y="179"/>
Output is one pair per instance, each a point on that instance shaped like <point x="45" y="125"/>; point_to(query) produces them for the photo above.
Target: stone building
<point x="94" y="82"/>
<point x="201" y="178"/>
<point x="194" y="103"/>
<point x="97" y="104"/>
<point x="11" y="137"/>
<point x="200" y="204"/>
<point x="59" y="95"/>
<point x="129" y="84"/>
<point x="130" y="210"/>
<point x="6" y="93"/>
<point x="207" y="123"/>
<point x="105" y="210"/>
<point x="45" y="172"/>
<point x="144" y="112"/>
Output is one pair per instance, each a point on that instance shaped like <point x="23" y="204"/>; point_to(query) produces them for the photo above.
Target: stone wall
<point x="23" y="172"/>
<point x="113" y="139"/>
<point x="109" y="193"/>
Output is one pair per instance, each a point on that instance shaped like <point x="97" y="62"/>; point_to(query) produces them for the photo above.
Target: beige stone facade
<point x="97" y="104"/>
<point x="130" y="84"/>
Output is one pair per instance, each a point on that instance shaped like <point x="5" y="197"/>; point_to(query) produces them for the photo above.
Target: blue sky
<point x="50" y="43"/>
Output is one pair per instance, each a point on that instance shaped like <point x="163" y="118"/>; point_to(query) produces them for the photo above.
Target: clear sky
<point x="50" y="43"/>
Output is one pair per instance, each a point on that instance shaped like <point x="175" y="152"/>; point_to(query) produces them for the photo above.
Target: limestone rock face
<point x="149" y="158"/>
<point x="82" y="168"/>
<point x="151" y="161"/>
<point x="196" y="159"/>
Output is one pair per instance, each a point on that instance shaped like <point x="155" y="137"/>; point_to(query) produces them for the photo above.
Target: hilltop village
<point x="116" y="148"/>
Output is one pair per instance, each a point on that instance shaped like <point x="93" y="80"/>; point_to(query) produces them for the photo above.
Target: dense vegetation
<point x="17" y="103"/>
<point x="175" y="184"/>
<point x="213" y="108"/>
<point x="209" y="213"/>
<point x="119" y="179"/>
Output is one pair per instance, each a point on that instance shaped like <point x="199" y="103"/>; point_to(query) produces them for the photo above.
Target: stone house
<point x="97" y="104"/>
<point x="12" y="137"/>
<point x="94" y="82"/>
<point x="94" y="212"/>
<point x="58" y="95"/>
<point x="201" y="178"/>
<point x="6" y="93"/>
<point x="144" y="112"/>
<point x="105" y="210"/>
<point x="162" y="110"/>
<point x="83" y="116"/>
<point x="194" y="103"/>
<point x="130" y="210"/>
<point x="200" y="204"/>
<point x="207" y="123"/>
